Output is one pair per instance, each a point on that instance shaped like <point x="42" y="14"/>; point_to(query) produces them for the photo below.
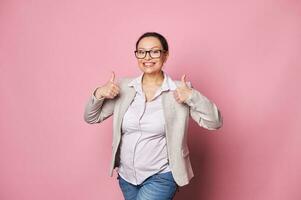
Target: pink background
<point x="243" y="55"/>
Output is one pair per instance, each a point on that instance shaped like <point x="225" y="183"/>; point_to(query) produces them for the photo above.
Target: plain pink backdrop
<point x="243" y="55"/>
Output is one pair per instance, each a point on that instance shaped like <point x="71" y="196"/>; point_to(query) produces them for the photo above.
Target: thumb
<point x="183" y="80"/>
<point x="112" y="79"/>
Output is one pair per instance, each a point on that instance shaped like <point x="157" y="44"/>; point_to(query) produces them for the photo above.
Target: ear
<point x="166" y="56"/>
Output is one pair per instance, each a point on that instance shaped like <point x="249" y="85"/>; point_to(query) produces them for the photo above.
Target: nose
<point x="147" y="56"/>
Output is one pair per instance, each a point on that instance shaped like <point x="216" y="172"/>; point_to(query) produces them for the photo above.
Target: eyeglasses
<point x="156" y="53"/>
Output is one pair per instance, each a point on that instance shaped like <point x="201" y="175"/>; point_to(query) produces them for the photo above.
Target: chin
<point x="150" y="69"/>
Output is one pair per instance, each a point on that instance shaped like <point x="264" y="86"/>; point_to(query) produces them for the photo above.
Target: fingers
<point x="113" y="87"/>
<point x="112" y="79"/>
<point x="110" y="89"/>
<point x="183" y="80"/>
<point x="112" y="82"/>
<point x="113" y="91"/>
<point x="112" y="94"/>
<point x="176" y="96"/>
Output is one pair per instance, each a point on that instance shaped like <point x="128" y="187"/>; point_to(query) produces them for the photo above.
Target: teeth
<point x="149" y="64"/>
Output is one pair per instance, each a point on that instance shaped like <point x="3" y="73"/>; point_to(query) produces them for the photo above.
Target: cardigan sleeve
<point x="97" y="110"/>
<point x="203" y="111"/>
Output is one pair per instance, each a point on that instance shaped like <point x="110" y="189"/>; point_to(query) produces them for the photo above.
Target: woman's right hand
<point x="109" y="91"/>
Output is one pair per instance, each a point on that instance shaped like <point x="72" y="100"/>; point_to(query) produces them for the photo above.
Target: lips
<point x="149" y="64"/>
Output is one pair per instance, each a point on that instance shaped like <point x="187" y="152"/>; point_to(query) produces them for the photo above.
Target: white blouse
<point x="143" y="150"/>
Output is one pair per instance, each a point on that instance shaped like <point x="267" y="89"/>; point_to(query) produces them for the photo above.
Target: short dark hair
<point x="162" y="39"/>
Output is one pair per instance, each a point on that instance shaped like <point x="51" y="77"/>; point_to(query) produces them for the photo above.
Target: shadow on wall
<point x="199" y="187"/>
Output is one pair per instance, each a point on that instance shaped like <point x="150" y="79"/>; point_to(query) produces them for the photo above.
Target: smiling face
<point x="148" y="64"/>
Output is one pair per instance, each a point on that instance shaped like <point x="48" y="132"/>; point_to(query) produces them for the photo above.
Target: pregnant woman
<point x="150" y="122"/>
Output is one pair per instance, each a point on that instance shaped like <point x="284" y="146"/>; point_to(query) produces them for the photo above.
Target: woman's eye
<point x="141" y="52"/>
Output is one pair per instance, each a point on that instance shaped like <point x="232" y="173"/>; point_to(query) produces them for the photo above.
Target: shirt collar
<point x="168" y="83"/>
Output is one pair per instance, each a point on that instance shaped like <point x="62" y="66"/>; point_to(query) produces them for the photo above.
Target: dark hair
<point x="162" y="39"/>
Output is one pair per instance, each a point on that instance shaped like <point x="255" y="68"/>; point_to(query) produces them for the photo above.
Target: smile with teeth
<point x="148" y="64"/>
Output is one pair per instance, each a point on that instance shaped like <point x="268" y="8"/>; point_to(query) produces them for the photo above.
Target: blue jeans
<point x="160" y="186"/>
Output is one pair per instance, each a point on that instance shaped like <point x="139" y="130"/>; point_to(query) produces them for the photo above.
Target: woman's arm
<point x="203" y="111"/>
<point x="97" y="110"/>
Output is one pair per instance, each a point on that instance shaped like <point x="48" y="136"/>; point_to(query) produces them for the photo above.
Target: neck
<point x="153" y="79"/>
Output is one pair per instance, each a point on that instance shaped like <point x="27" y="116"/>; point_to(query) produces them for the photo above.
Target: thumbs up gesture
<point x="182" y="92"/>
<point x="109" y="91"/>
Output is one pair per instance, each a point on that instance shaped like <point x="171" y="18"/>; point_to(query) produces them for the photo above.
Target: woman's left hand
<point x="182" y="92"/>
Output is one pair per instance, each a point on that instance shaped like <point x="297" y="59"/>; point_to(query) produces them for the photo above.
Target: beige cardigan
<point x="199" y="107"/>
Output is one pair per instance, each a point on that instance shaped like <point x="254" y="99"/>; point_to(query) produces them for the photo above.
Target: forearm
<point x="93" y="108"/>
<point x="203" y="111"/>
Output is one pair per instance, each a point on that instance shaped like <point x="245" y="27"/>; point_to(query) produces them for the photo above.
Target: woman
<point x="150" y="122"/>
